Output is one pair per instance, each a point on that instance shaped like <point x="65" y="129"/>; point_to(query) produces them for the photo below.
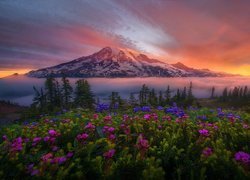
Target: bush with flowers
<point x="141" y="143"/>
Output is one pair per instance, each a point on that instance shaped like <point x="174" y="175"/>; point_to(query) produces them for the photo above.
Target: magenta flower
<point x="47" y="157"/>
<point x="111" y="137"/>
<point x="142" y="143"/>
<point x="59" y="160"/>
<point x="36" y="140"/>
<point x="31" y="170"/>
<point x="245" y="126"/>
<point x="147" y="116"/>
<point x="207" y="151"/>
<point x="17" y="144"/>
<point x="204" y="132"/>
<point x="107" y="119"/>
<point x="82" y="137"/>
<point x="90" y="126"/>
<point x="109" y="154"/>
<point x="5" y="138"/>
<point x="242" y="157"/>
<point x="95" y="116"/>
<point x="53" y="133"/>
<point x="55" y="148"/>
<point x="70" y="155"/>
<point x="111" y="130"/>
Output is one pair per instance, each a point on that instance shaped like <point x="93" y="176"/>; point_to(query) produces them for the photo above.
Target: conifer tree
<point x="161" y="100"/>
<point x="132" y="100"/>
<point x="212" y="93"/>
<point x="168" y="95"/>
<point x="83" y="94"/>
<point x="190" y="97"/>
<point x="67" y="91"/>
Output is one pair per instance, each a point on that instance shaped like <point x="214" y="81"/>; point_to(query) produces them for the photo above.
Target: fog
<point x="19" y="88"/>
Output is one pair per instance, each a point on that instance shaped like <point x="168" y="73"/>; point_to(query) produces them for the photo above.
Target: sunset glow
<point x="207" y="34"/>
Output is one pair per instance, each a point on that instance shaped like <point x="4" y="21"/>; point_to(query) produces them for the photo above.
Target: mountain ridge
<point x="113" y="62"/>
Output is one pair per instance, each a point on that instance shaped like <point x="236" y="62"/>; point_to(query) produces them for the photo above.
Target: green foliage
<point x="171" y="148"/>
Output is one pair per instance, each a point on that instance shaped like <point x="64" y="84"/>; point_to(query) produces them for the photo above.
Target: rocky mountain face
<point x="110" y="62"/>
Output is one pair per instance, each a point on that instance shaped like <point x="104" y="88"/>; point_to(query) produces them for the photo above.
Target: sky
<point x="212" y="34"/>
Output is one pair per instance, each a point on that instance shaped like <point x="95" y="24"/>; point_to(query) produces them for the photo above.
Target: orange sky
<point x="201" y="34"/>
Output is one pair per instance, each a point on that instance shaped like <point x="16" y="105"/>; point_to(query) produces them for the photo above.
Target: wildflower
<point x="90" y="126"/>
<point x="59" y="160"/>
<point x="95" y="116"/>
<point x="111" y="130"/>
<point x="142" y="143"/>
<point x="55" y="148"/>
<point x="83" y="136"/>
<point x="5" y="138"/>
<point x="109" y="154"/>
<point x="147" y="116"/>
<point x="31" y="170"/>
<point x="17" y="144"/>
<point x="36" y="140"/>
<point x="207" y="151"/>
<point x="53" y="133"/>
<point x="111" y="137"/>
<point x="108" y="119"/>
<point x="70" y="155"/>
<point x="204" y="132"/>
<point x="47" y="157"/>
<point x="160" y="108"/>
<point x="242" y="157"/>
<point x="245" y="126"/>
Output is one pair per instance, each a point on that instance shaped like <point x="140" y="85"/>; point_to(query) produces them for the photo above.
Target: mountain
<point x="111" y="62"/>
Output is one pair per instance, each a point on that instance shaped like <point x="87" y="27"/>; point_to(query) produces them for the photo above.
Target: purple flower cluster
<point x="207" y="152"/>
<point x="174" y="110"/>
<point x="36" y="140"/>
<point x="17" y="145"/>
<point x="82" y="137"/>
<point x="102" y="107"/>
<point x="204" y="132"/>
<point x="109" y="131"/>
<point x="90" y="126"/>
<point x="242" y="157"/>
<point x="142" y="143"/>
<point x="109" y="154"/>
<point x="143" y="109"/>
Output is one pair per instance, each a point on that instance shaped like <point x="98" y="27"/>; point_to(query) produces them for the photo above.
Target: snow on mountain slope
<point x="113" y="62"/>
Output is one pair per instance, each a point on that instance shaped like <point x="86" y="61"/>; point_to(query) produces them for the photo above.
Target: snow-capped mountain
<point x="111" y="62"/>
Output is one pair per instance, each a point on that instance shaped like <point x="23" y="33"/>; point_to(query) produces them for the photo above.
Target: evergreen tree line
<point x="55" y="96"/>
<point x="147" y="96"/>
<point x="237" y="95"/>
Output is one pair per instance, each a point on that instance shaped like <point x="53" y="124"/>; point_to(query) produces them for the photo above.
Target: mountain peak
<point x="119" y="62"/>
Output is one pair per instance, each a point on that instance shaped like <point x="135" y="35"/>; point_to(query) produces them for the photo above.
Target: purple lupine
<point x="109" y="154"/>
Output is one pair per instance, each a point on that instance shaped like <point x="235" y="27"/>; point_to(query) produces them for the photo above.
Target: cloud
<point x="204" y="34"/>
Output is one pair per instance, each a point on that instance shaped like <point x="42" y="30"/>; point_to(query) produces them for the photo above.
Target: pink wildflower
<point x="207" y="151"/>
<point x="109" y="154"/>
<point x="204" y="132"/>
